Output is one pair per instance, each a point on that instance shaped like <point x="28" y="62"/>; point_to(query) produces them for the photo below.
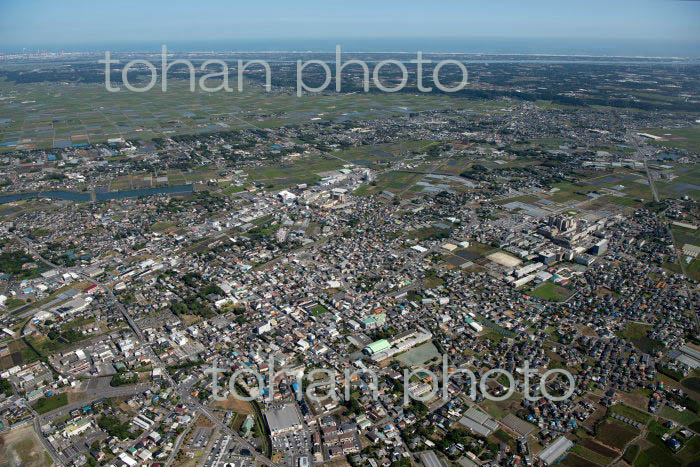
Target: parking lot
<point x="293" y="445"/>
<point x="226" y="451"/>
<point x="201" y="437"/>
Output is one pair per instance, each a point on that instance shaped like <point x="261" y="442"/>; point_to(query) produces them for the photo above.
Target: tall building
<point x="600" y="248"/>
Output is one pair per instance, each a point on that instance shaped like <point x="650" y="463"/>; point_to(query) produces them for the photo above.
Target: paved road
<point x="655" y="193"/>
<point x="182" y="391"/>
<point x="178" y="442"/>
<point x="55" y="455"/>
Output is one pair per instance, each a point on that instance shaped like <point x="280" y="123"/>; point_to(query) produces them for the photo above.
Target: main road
<point x="655" y="194"/>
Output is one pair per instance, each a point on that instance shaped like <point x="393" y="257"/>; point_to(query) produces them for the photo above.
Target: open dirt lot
<point x="21" y="447"/>
<point x="504" y="259"/>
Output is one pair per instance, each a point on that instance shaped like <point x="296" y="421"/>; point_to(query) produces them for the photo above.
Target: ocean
<point x="529" y="46"/>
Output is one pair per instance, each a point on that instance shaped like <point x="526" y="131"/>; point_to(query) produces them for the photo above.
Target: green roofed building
<point x="247" y="426"/>
<point x="34" y="395"/>
<point x="374" y="321"/>
<point x="378" y="346"/>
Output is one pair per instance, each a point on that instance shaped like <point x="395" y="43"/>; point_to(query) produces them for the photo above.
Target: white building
<point x="286" y="196"/>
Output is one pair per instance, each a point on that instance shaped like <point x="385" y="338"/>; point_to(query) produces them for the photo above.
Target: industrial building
<point x="283" y="419"/>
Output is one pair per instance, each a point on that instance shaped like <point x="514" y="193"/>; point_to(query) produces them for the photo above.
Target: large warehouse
<point x="283" y="419"/>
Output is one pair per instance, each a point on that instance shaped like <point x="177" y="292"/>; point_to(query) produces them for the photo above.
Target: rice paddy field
<point x="682" y="138"/>
<point x="687" y="182"/>
<point x="46" y="115"/>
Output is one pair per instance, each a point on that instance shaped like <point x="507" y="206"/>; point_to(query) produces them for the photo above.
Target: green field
<point x="566" y="191"/>
<point x="427" y="233"/>
<point x="661" y="455"/>
<point x="232" y="189"/>
<point x="162" y="226"/>
<point x="656" y="456"/>
<point x="12" y="303"/>
<point x="685" y="417"/>
<point x="480" y="249"/>
<point x="47" y="404"/>
<point x="631" y="454"/>
<point x="692" y="383"/>
<point x="685" y="183"/>
<point x="681" y="138"/>
<point x="549" y="291"/>
<point x="395" y="182"/>
<point x="319" y="310"/>
<point x="630" y="412"/>
<point x="637" y="334"/>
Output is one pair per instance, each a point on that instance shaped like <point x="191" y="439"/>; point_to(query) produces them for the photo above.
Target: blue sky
<point x="34" y="23"/>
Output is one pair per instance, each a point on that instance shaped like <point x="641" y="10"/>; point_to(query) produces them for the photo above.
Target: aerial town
<point x="358" y="290"/>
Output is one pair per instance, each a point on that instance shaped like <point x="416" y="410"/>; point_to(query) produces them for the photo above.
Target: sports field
<point x="420" y="355"/>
